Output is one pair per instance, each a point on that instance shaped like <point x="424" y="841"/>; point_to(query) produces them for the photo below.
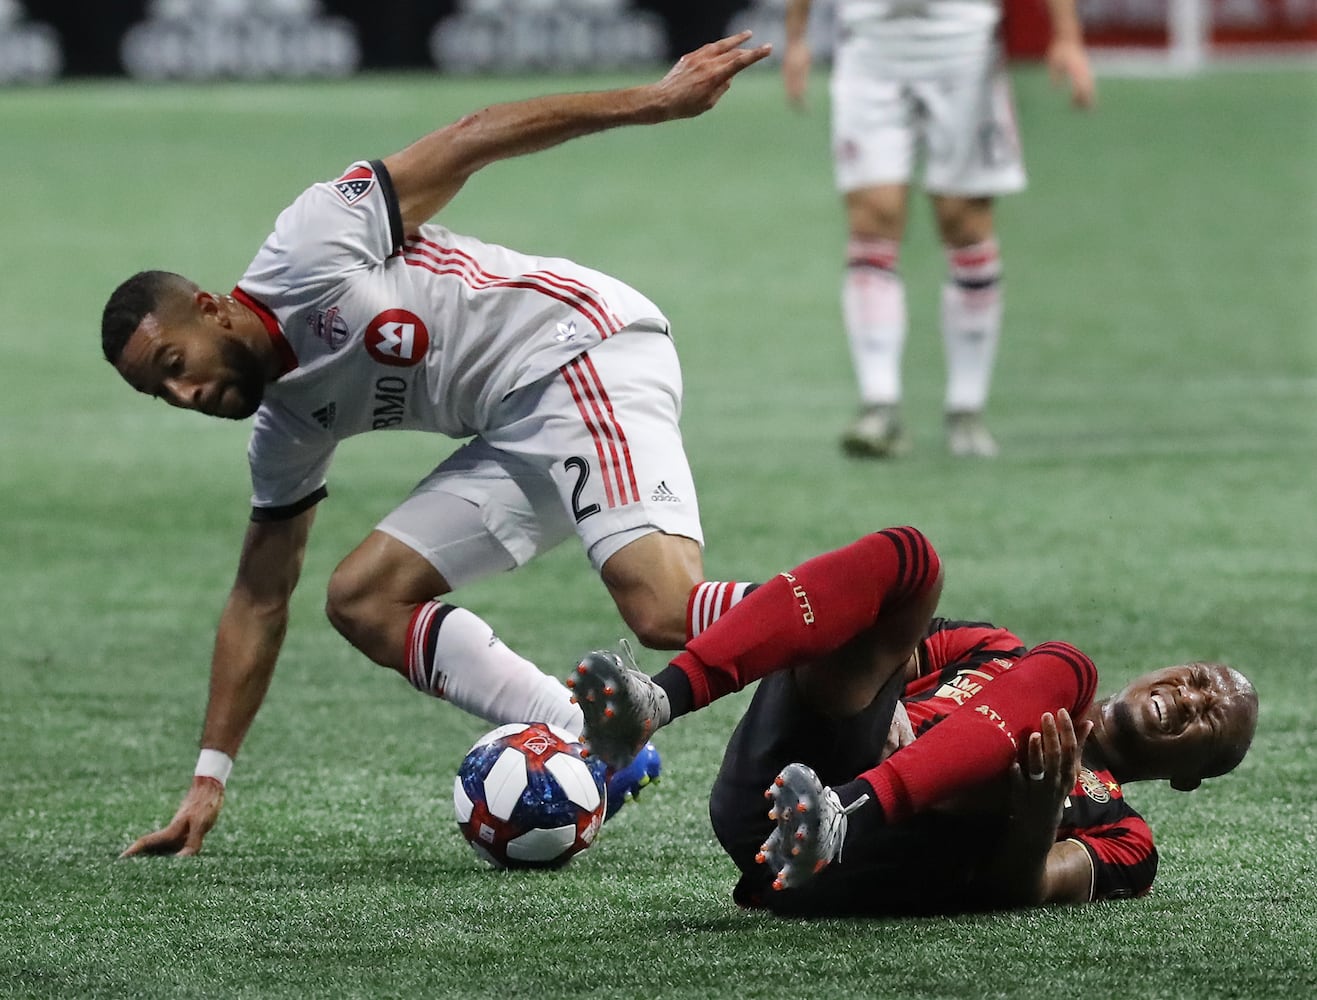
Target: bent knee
<point x="1065" y="657"/>
<point x="919" y="569"/>
<point x="657" y="627"/>
<point x="347" y="605"/>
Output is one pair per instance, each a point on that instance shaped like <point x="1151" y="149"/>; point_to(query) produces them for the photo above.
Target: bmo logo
<point x="397" y="337"/>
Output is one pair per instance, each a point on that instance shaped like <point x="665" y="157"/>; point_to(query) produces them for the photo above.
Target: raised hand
<point x="700" y="78"/>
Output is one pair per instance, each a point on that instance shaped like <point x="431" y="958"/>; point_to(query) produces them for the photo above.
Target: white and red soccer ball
<point x="526" y="798"/>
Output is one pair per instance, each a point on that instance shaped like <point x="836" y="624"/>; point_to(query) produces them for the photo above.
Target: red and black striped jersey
<point x="955" y="660"/>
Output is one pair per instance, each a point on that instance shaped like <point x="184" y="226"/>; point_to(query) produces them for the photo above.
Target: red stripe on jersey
<point x="460" y="270"/>
<point x="610" y="442"/>
<point x="1126" y="842"/>
<point x="573" y="377"/>
<point x="629" y="474"/>
<point x="569" y="291"/>
<point x="287" y="357"/>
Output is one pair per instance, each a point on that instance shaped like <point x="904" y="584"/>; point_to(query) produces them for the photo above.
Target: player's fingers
<point x="1037" y="763"/>
<point x="748" y="57"/>
<point x="1051" y="739"/>
<point x="726" y="44"/>
<point x="1065" y="727"/>
<point x="161" y="842"/>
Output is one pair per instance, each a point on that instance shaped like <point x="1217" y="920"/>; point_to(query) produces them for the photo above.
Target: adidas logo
<point x="325" y="415"/>
<point x="662" y="494"/>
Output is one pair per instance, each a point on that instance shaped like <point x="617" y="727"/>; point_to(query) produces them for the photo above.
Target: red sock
<point x="808" y="612"/>
<point x="978" y="741"/>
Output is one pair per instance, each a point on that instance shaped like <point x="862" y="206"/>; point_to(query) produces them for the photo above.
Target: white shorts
<point x="594" y="448"/>
<point x="960" y="123"/>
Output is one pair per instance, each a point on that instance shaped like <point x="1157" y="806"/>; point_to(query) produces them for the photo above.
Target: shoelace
<point x="840" y="822"/>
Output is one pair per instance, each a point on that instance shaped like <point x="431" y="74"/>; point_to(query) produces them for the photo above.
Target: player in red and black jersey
<point x="952" y="664"/>
<point x="1010" y="795"/>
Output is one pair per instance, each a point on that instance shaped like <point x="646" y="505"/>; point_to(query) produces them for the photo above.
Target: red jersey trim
<point x="585" y="300"/>
<point x="287" y="357"/>
<point x="610" y="442"/>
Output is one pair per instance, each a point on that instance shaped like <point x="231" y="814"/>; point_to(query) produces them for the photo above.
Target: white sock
<point x="453" y="654"/>
<point x="873" y="307"/>
<point x="971" y="323"/>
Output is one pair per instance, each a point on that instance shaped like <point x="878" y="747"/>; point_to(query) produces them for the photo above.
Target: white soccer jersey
<point x="919" y="37"/>
<point x="381" y="329"/>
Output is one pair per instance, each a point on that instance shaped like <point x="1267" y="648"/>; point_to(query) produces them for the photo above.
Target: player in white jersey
<point x="357" y="315"/>
<point x="912" y="81"/>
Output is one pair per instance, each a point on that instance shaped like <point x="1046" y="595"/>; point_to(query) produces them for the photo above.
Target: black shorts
<point x="920" y="866"/>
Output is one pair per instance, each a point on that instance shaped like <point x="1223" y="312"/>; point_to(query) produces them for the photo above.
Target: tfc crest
<point x="397" y="337"/>
<point x="354" y="185"/>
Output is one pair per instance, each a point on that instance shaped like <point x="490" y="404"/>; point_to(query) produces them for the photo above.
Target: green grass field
<point x="1156" y="402"/>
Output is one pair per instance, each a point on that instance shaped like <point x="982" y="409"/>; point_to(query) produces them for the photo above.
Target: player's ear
<point x="1185" y="784"/>
<point x="209" y="304"/>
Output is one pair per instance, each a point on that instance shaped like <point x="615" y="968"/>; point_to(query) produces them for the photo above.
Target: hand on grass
<point x="185" y="832"/>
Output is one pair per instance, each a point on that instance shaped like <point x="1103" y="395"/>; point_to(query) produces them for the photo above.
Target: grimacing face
<point x="195" y="363"/>
<point x="1184" y="723"/>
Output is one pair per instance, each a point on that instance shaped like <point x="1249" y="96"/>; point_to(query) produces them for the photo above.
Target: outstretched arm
<point x="247" y="644"/>
<point x="428" y="173"/>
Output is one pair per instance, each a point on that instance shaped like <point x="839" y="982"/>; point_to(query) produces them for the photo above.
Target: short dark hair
<point x="130" y="303"/>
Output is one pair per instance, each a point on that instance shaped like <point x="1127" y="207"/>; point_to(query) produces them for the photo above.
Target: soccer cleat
<point x="811" y="826"/>
<point x="968" y="436"/>
<point x="876" y="432"/>
<point x="624" y="783"/>
<point x="621" y="705"/>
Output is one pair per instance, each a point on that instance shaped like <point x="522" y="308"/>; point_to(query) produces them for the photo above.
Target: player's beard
<point x="1126" y="736"/>
<point x="243" y="392"/>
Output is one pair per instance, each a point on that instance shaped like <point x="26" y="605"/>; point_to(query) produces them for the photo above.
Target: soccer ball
<point x="525" y="797"/>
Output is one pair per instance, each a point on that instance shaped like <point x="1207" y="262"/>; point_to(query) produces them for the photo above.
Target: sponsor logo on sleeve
<point x="355" y="184"/>
<point x="397" y="337"/>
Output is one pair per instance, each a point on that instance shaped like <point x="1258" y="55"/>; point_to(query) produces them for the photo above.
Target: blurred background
<point x="45" y="40"/>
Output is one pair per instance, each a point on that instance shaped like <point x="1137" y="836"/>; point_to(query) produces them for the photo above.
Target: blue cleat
<point x="625" y="783"/>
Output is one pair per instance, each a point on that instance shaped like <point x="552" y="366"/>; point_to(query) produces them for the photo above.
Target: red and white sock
<point x="709" y="601"/>
<point x="874" y="312"/>
<point x="971" y="323"/>
<point x="453" y="654"/>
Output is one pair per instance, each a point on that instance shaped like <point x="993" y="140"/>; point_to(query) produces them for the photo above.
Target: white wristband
<point x="214" y="764"/>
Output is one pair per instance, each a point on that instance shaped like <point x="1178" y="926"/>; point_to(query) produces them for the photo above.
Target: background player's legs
<point x="971" y="318"/>
<point x="874" y="312"/>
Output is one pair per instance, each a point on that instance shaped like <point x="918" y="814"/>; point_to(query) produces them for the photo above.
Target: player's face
<point x="1179" y="721"/>
<point x="194" y="365"/>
